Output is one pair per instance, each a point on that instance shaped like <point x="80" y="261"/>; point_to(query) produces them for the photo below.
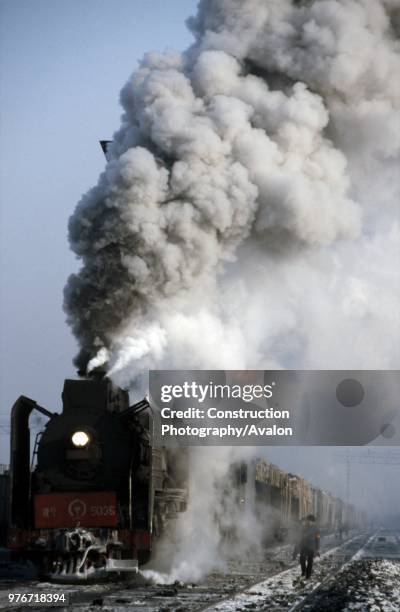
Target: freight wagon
<point x="281" y="500"/>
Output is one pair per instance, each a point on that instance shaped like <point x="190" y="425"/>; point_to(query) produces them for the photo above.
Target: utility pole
<point x="369" y="457"/>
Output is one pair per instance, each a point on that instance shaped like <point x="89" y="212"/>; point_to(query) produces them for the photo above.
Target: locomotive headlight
<point x="80" y="439"/>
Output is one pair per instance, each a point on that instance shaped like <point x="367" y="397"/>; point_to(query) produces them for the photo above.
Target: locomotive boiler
<point x="98" y="492"/>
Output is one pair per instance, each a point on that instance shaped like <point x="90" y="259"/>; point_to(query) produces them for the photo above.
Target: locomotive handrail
<point x="45" y="411"/>
<point x="134" y="409"/>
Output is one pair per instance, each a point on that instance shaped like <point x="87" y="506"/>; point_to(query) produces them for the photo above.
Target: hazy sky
<point x="62" y="67"/>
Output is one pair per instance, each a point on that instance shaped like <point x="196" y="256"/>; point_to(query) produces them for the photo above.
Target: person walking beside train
<point x="307" y="545"/>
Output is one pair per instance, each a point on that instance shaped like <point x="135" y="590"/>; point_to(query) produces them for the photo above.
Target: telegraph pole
<point x="348" y="475"/>
<point x="369" y="457"/>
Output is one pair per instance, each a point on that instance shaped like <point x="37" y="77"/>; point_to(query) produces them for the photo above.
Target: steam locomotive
<point x="100" y="492"/>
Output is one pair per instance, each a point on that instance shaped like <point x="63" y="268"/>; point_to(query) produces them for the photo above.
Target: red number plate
<point x="73" y="509"/>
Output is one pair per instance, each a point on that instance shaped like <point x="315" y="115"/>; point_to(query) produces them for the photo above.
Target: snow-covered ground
<point x="345" y="579"/>
<point x="361" y="574"/>
<point x="369" y="585"/>
<point x="144" y="594"/>
<point x="285" y="590"/>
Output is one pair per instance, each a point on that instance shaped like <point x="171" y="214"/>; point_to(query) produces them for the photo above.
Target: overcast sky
<point x="62" y="67"/>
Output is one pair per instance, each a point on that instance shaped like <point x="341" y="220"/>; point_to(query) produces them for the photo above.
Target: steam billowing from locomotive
<point x="246" y="215"/>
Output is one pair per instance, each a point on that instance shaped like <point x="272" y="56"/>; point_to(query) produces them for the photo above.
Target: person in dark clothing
<point x="307" y="545"/>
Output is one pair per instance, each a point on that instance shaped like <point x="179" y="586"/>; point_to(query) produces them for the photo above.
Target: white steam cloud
<point x="251" y="198"/>
<point x="248" y="215"/>
<point x="216" y="526"/>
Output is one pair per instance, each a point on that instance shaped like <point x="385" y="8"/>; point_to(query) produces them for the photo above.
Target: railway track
<point x="364" y="571"/>
<point x="270" y="585"/>
<point x="283" y="592"/>
<point x="370" y="580"/>
<point x="311" y="601"/>
<point x="216" y="592"/>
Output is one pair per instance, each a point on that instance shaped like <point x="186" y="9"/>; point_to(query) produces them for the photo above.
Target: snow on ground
<point x="360" y="574"/>
<point x="375" y="587"/>
<point x="344" y="581"/>
<point x="282" y="591"/>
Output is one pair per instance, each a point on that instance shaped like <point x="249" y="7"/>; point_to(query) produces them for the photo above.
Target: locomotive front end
<point x="88" y="504"/>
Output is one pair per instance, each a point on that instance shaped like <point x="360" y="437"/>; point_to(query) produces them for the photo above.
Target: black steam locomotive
<point x="100" y="492"/>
